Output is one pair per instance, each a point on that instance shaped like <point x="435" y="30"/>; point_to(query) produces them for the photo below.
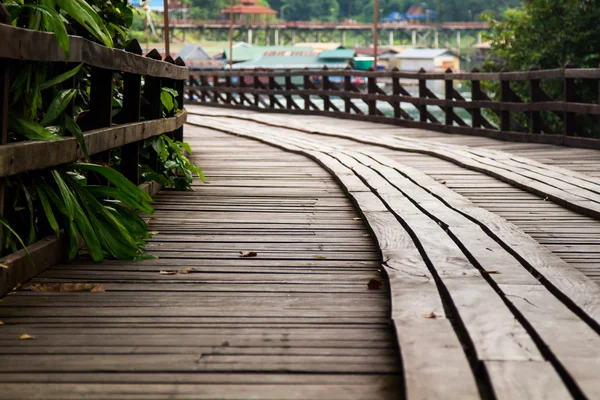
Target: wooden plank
<point x="25" y="44"/>
<point x="63" y="151"/>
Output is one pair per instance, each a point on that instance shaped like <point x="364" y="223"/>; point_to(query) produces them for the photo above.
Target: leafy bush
<point x="47" y="102"/>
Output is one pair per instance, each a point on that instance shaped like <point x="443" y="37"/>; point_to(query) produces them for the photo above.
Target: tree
<point x="548" y="33"/>
<point x="307" y="10"/>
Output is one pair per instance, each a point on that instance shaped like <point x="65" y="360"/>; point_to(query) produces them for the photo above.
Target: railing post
<point x="288" y="87"/>
<point x="216" y="93"/>
<point x="271" y="95"/>
<point x="570" y="122"/>
<point x="372" y="90"/>
<point x="396" y="92"/>
<point x="422" y="95"/>
<point x="256" y="82"/>
<point x="535" y="94"/>
<point x="100" y="115"/>
<point x="449" y="83"/>
<point x="229" y="86"/>
<point x="306" y="84"/>
<point x="132" y="90"/>
<point x="476" y="96"/>
<point x="347" y="89"/>
<point x="326" y="87"/>
<point x="505" y="97"/>
<point x="180" y="88"/>
<point x="241" y="86"/>
<point x="152" y="111"/>
<point x="4" y="93"/>
<point x="205" y="88"/>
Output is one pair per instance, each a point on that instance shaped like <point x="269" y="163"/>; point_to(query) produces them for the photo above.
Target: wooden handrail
<point x="25" y="44"/>
<point x="504" y="115"/>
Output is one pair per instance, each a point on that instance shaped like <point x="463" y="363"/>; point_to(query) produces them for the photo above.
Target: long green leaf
<point x="117" y="179"/>
<point x="5" y="223"/>
<point x="85" y="15"/>
<point x="58" y="106"/>
<point x="47" y="207"/>
<point x="78" y="216"/>
<point x="53" y="21"/>
<point x="31" y="130"/>
<point x="101" y="192"/>
<point x="75" y="130"/>
<point x="31" y="238"/>
<point x="61" y="78"/>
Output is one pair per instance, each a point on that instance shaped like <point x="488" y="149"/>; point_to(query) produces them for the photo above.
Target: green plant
<point x="174" y="168"/>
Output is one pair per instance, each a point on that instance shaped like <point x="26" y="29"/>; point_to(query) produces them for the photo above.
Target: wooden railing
<point x="474" y="103"/>
<point x="100" y="133"/>
<point x="136" y="123"/>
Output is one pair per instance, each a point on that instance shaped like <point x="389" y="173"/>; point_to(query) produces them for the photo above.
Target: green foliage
<point x="548" y="33"/>
<point x="175" y="169"/>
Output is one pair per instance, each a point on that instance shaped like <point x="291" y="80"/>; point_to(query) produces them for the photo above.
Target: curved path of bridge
<point x="390" y="263"/>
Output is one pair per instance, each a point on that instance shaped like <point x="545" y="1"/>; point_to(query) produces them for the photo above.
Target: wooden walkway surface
<point x="488" y="261"/>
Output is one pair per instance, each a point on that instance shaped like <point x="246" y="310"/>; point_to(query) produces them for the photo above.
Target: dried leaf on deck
<point x="168" y="272"/>
<point x="186" y="270"/>
<point x="357" y="219"/>
<point x="26" y="337"/>
<point x="248" y="254"/>
<point x="154" y="233"/>
<point x="375" y="284"/>
<point x="430" y="315"/>
<point x="322" y="257"/>
<point x="68" y="287"/>
<point x="3" y="266"/>
<point x="493" y="271"/>
<point x="1" y="323"/>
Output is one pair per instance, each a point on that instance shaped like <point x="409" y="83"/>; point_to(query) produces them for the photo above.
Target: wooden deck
<point x="489" y="266"/>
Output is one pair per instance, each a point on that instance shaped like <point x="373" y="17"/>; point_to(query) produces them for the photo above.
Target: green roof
<point x="254" y="52"/>
<point x="338" y="54"/>
<point x="292" y="62"/>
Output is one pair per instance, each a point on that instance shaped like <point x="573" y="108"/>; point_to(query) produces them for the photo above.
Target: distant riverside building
<point x="249" y="11"/>
<point x="431" y="60"/>
<point x="195" y="58"/>
<point x="300" y="58"/>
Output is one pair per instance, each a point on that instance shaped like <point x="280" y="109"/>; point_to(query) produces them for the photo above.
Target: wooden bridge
<point x="330" y="258"/>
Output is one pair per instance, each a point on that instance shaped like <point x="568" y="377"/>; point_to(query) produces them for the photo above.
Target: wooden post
<point x="100" y="114"/>
<point x="166" y="30"/>
<point x="180" y="88"/>
<point x="288" y="87"/>
<point x="326" y="87"/>
<point x="229" y="94"/>
<point x="570" y="122"/>
<point x="372" y="90"/>
<point x="505" y="90"/>
<point x="132" y="92"/>
<point x="375" y="32"/>
<point x="271" y="95"/>
<point x="307" y="85"/>
<point x="476" y="96"/>
<point x="153" y="110"/>
<point x="347" y="89"/>
<point x="4" y="103"/>
<point x="396" y="92"/>
<point x="241" y="85"/>
<point x="215" y="94"/>
<point x="422" y="95"/>
<point x="449" y="83"/>
<point x="256" y="82"/>
<point x="535" y="94"/>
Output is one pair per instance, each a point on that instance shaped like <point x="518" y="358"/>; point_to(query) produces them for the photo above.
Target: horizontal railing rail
<point x="100" y="132"/>
<point x="504" y="105"/>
